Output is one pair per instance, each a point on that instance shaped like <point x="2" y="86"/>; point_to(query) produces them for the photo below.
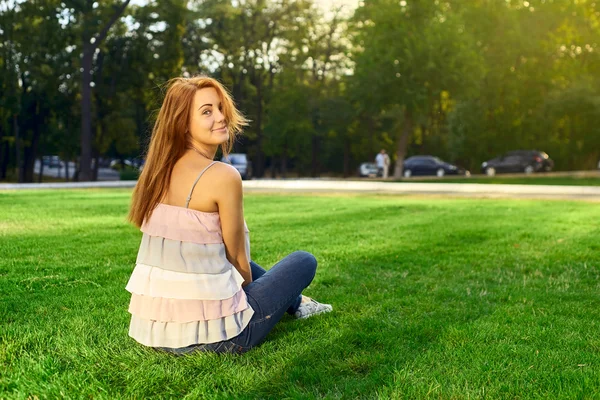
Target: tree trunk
<point x="100" y="95"/>
<point x="76" y="174"/>
<point x="41" y="171"/>
<point x="346" y="157"/>
<point x="85" y="161"/>
<point x="273" y="167"/>
<point x="28" y="164"/>
<point x="5" y="152"/>
<point x="140" y="121"/>
<point x="85" y="168"/>
<point x="260" y="157"/>
<point x="30" y="152"/>
<point x="284" y="160"/>
<point x="424" y="141"/>
<point x="407" y="129"/>
<point x="18" y="149"/>
<point x="96" y="165"/>
<point x="371" y="123"/>
<point x="315" y="156"/>
<point x="67" y="170"/>
<point x="2" y="155"/>
<point x="237" y="88"/>
<point x="29" y="156"/>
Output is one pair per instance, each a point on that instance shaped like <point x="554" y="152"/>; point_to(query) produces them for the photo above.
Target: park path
<point x="366" y="186"/>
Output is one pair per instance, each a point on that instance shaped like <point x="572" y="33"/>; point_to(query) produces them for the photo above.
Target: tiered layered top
<point x="183" y="289"/>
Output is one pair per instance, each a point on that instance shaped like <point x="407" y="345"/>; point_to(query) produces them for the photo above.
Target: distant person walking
<point x="383" y="163"/>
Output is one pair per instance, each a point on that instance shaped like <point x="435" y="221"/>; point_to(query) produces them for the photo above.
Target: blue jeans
<point x="270" y="294"/>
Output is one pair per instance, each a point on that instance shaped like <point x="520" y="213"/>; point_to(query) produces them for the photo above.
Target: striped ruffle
<point x="175" y="335"/>
<point x="184" y="310"/>
<point x="156" y="282"/>
<point x="178" y="256"/>
<point x="183" y="289"/>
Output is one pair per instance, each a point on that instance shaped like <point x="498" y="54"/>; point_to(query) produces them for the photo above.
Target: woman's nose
<point x="219" y="116"/>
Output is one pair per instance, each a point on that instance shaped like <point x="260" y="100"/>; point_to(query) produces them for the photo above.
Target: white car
<point x="135" y="164"/>
<point x="368" y="169"/>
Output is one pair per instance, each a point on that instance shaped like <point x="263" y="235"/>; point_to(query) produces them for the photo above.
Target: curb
<point x="426" y="188"/>
<point x="67" y="185"/>
<point x="309" y="185"/>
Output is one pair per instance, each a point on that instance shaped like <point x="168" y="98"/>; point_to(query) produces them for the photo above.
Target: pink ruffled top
<point x="183" y="289"/>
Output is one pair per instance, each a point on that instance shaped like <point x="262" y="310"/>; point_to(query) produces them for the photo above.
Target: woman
<point x="194" y="287"/>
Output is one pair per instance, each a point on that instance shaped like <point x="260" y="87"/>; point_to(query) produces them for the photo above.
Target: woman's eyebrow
<point x="208" y="104"/>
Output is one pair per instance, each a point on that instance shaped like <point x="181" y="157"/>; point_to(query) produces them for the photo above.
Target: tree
<point x="247" y="39"/>
<point x="133" y="58"/>
<point x="409" y="53"/>
<point x="36" y="56"/>
<point x="94" y="25"/>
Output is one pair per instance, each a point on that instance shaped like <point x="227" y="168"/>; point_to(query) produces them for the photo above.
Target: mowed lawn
<point x="433" y="298"/>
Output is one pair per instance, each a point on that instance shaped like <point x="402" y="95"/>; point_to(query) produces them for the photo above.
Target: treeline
<point x="325" y="88"/>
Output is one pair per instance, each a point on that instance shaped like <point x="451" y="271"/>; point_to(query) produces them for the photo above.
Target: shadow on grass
<point x="356" y="349"/>
<point x="359" y="347"/>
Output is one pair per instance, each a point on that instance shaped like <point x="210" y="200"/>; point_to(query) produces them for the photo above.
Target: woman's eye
<point x="206" y="112"/>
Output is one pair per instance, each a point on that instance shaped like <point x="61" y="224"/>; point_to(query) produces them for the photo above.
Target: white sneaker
<point x="310" y="308"/>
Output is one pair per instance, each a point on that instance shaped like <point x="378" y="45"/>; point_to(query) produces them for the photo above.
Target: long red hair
<point x="170" y="139"/>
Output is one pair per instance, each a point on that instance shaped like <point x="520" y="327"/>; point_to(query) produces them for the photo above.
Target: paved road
<point x="352" y="186"/>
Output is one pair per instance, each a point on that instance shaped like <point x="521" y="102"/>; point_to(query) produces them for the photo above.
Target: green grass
<point x="433" y="298"/>
<point x="524" y="180"/>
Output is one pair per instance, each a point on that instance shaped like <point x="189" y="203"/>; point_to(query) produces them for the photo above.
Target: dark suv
<point x="528" y="161"/>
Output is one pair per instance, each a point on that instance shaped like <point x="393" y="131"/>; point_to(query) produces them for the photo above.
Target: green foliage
<point x="325" y="88"/>
<point x="503" y="66"/>
<point x="444" y="298"/>
<point x="538" y="61"/>
<point x="421" y="51"/>
<point x="129" y="174"/>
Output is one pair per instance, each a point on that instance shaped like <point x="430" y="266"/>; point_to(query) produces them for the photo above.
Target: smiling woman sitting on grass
<point x="194" y="287"/>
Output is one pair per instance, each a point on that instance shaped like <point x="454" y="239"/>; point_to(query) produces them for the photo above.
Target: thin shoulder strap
<point x="187" y="202"/>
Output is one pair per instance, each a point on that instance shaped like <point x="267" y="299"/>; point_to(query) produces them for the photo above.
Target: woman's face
<point x="207" y="124"/>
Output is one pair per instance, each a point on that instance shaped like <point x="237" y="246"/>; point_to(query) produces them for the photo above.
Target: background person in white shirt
<point x="383" y="163"/>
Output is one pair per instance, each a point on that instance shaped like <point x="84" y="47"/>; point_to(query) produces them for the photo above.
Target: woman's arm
<point x="229" y="199"/>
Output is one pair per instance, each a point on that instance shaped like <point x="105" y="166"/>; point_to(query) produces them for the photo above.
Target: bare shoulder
<point x="225" y="175"/>
<point x="188" y="170"/>
<point x="219" y="182"/>
<point x="226" y="183"/>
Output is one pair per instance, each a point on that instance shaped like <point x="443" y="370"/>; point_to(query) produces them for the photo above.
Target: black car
<point x="528" y="161"/>
<point x="429" y="165"/>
